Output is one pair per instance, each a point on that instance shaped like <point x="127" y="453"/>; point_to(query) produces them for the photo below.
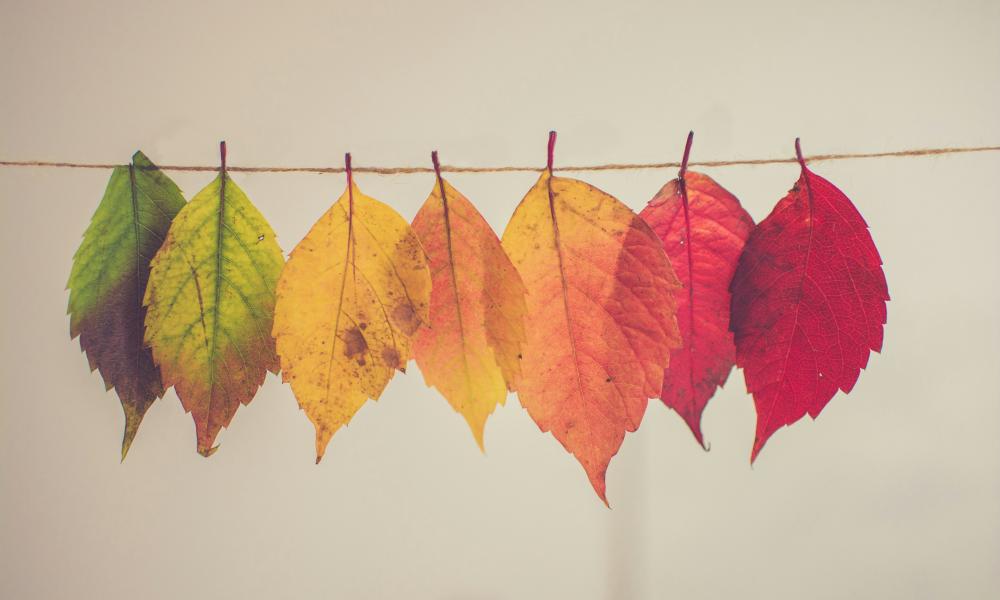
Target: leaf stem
<point x="437" y="165"/>
<point x="687" y="153"/>
<point x="798" y="153"/>
<point x="222" y="180"/>
<point x="347" y="169"/>
<point x="552" y="150"/>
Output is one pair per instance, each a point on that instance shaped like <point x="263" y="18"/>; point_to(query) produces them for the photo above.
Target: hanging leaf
<point x="211" y="303"/>
<point x="809" y="303"/>
<point x="353" y="292"/>
<point x="470" y="349"/>
<point x="108" y="280"/>
<point x="703" y="228"/>
<point x="600" y="323"/>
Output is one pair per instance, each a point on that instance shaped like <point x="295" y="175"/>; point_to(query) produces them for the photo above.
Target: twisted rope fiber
<point x="516" y="169"/>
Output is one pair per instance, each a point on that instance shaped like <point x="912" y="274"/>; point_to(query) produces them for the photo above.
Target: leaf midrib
<point x="690" y="260"/>
<point x="563" y="283"/>
<point x="798" y="301"/>
<point x="138" y="271"/>
<point x="454" y="287"/>
<point x="218" y="278"/>
<point x="343" y="284"/>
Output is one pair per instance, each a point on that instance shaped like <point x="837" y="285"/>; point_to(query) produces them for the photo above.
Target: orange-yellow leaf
<point x="351" y="295"/>
<point x="470" y="350"/>
<point x="601" y="316"/>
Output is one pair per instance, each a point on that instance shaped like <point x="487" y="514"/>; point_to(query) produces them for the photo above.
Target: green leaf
<point x="108" y="281"/>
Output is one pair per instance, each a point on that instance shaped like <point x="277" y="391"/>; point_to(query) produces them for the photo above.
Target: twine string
<point x="520" y="169"/>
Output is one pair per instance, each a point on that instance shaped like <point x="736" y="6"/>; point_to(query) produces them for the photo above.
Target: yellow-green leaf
<point x="210" y="304"/>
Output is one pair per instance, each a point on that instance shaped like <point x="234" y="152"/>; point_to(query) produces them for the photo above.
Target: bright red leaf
<point x="809" y="304"/>
<point x="703" y="229"/>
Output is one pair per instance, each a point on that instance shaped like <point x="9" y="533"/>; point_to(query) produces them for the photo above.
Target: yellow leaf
<point x="353" y="292"/>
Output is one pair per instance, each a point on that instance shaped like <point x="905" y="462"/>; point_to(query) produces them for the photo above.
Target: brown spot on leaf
<point x="355" y="344"/>
<point x="391" y="357"/>
<point x="405" y="318"/>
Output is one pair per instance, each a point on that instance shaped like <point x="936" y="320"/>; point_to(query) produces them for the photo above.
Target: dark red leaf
<point x="809" y="304"/>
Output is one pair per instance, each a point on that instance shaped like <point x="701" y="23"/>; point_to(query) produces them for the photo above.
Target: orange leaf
<point x="601" y="316"/>
<point x="470" y="351"/>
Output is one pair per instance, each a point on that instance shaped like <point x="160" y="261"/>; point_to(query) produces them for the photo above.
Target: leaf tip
<point x="207" y="451"/>
<point x="696" y="430"/>
<point x="477" y="433"/>
<point x="127" y="439"/>
<point x="133" y="417"/>
<point x="323" y="436"/>
<point x="758" y="445"/>
<point x="599" y="481"/>
<point x="693" y="420"/>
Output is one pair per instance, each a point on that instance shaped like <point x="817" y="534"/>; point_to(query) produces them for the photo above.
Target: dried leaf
<point x="210" y="305"/>
<point x="809" y="304"/>
<point x="108" y="280"/>
<point x="600" y="323"/>
<point x="470" y="349"/>
<point x="353" y="292"/>
<point x="704" y="229"/>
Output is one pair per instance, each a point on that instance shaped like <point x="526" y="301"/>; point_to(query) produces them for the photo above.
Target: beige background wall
<point x="893" y="493"/>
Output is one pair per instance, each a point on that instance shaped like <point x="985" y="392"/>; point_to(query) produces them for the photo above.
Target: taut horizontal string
<point x="523" y="169"/>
